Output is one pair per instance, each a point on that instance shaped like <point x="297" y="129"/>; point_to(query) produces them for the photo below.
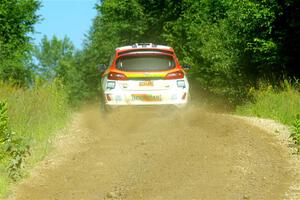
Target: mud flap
<point x="103" y="107"/>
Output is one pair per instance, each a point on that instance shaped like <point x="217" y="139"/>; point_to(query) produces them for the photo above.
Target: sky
<point x="72" y="18"/>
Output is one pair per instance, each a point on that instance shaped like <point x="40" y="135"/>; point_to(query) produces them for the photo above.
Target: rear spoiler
<point x="143" y="50"/>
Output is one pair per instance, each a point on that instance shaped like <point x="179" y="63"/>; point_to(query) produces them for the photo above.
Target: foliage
<point x="279" y="103"/>
<point x="38" y="110"/>
<point x="17" y="19"/>
<point x="296" y="131"/>
<point x="52" y="56"/>
<point x="16" y="149"/>
<point x="3" y="121"/>
<point x="58" y="59"/>
<point x="33" y="118"/>
<point x="231" y="44"/>
<point x="118" y="23"/>
<point x="222" y="41"/>
<point x="13" y="147"/>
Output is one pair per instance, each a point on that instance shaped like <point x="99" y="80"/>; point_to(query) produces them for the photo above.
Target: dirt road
<point x="162" y="154"/>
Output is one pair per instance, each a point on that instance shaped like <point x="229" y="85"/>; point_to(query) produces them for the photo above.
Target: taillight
<point x="116" y="76"/>
<point x="108" y="97"/>
<point x="175" y="75"/>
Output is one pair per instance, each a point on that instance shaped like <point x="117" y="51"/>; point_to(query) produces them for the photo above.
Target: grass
<point x="35" y="114"/>
<point x="3" y="183"/>
<point x="280" y="104"/>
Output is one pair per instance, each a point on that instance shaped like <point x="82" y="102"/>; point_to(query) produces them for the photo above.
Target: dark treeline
<point x="231" y="44"/>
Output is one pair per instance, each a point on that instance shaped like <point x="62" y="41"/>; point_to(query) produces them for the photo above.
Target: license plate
<point x="146" y="97"/>
<point x="146" y="83"/>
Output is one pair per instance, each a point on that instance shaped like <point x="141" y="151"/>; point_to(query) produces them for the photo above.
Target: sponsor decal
<point x="145" y="97"/>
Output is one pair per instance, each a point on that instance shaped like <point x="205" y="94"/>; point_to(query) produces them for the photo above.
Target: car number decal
<point x="146" y="83"/>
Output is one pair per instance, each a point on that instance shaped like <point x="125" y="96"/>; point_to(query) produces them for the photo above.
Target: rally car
<point x="144" y="74"/>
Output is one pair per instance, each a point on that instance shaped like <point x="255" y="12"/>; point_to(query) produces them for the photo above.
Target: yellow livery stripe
<point x="146" y="75"/>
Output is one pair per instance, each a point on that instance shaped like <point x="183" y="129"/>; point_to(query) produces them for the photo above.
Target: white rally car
<point x="144" y="74"/>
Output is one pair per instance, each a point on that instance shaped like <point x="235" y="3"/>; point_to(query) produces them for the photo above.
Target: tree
<point x="52" y="56"/>
<point x="229" y="42"/>
<point x="17" y="18"/>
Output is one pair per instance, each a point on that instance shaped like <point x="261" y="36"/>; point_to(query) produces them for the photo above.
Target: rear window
<point x="145" y="63"/>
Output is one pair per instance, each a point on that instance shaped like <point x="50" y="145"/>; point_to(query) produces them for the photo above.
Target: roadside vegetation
<point x="230" y="44"/>
<point x="35" y="99"/>
<point x="29" y="119"/>
<point x="281" y="103"/>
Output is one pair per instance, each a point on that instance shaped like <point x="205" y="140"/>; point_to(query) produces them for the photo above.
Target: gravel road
<point x="162" y="154"/>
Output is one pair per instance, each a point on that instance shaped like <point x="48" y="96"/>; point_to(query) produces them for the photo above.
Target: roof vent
<point x="143" y="45"/>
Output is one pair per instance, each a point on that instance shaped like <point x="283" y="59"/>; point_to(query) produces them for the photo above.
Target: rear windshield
<point x="145" y="63"/>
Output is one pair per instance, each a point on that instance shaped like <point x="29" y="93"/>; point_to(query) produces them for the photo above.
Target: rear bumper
<point x="164" y="97"/>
